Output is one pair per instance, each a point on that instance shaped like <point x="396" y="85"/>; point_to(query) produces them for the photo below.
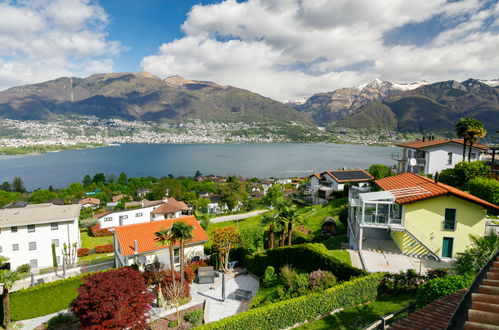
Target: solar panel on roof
<point x="350" y="175"/>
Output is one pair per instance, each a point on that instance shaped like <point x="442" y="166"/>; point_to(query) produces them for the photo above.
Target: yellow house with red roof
<point x="423" y="217"/>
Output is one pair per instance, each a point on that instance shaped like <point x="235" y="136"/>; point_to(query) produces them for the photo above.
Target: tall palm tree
<point x="271" y="219"/>
<point x="183" y="232"/>
<point x="462" y="128"/>
<point x="166" y="236"/>
<point x="7" y="277"/>
<point x="288" y="213"/>
<point x="476" y="132"/>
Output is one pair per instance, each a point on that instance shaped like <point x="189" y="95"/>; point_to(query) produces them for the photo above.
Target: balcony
<point x="375" y="209"/>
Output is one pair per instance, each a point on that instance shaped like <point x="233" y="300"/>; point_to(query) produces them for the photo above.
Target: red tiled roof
<point x="410" y="187"/>
<point x="424" y="144"/>
<point x="89" y="200"/>
<point x="171" y="206"/>
<point x="354" y="173"/>
<point x="143" y="233"/>
<point x="435" y="315"/>
<point x="317" y="175"/>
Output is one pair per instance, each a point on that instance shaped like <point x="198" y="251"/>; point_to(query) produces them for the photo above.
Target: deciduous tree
<point x="224" y="239"/>
<point x="116" y="299"/>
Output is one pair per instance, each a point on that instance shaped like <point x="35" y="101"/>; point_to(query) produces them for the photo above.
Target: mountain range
<point x="417" y="107"/>
<point x="141" y="96"/>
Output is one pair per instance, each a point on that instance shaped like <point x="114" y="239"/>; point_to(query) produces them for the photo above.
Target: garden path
<point x="237" y="216"/>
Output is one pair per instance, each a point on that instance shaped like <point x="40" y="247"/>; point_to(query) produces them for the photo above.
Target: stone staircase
<point x="484" y="312"/>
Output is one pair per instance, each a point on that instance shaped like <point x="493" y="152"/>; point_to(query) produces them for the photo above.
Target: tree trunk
<point x="181" y="262"/>
<point x="283" y="236"/>
<point x="172" y="264"/>
<point x="290" y="230"/>
<point x="464" y="150"/>
<point x="469" y="151"/>
<point x="271" y="236"/>
<point x="6" y="308"/>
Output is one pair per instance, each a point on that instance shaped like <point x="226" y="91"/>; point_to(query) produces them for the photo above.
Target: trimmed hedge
<point x="308" y="257"/>
<point x="289" y="312"/>
<point x="83" y="252"/>
<point x="97" y="231"/>
<point x="104" y="248"/>
<point x="45" y="298"/>
<point x="441" y="287"/>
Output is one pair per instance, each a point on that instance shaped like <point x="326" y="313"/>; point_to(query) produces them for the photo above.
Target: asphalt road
<point x="237" y="216"/>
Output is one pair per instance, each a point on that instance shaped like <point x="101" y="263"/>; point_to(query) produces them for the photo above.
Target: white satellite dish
<point x="412" y="162"/>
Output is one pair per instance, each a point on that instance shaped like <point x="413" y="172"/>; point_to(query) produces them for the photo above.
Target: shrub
<point x="87" y="223"/>
<point x="172" y="324"/>
<point x="287" y="313"/>
<point x="299" y="285"/>
<point x="25" y="268"/>
<point x="269" y="277"/>
<point x="189" y="275"/>
<point x="61" y="320"/>
<point x="97" y="231"/>
<point x="194" y="265"/>
<point x="45" y="298"/>
<point x="308" y="257"/>
<point x="463" y="172"/>
<point x="408" y="281"/>
<point x="321" y="279"/>
<point x="288" y="274"/>
<point x="83" y="252"/>
<point x="484" y="188"/>
<point x="104" y="248"/>
<point x="194" y="317"/>
<point x="436" y="273"/>
<point x="114" y="299"/>
<point x="440" y="287"/>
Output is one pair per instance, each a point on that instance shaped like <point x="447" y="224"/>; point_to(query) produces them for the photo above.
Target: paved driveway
<point x="237" y="216"/>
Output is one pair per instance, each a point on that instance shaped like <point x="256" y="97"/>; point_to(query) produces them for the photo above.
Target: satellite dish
<point x="412" y="162"/>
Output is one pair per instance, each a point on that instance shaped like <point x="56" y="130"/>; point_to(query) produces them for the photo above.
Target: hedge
<point x="308" y="257"/>
<point x="441" y="287"/>
<point x="287" y="313"/>
<point x="83" y="252"/>
<point x="104" y="248"/>
<point x="44" y="299"/>
<point x="97" y="231"/>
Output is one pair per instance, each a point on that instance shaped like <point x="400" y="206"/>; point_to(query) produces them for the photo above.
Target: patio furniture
<point x="241" y="294"/>
<point x="206" y="275"/>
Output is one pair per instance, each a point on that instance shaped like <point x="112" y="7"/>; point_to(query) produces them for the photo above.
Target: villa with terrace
<point x="420" y="216"/>
<point x="322" y="185"/>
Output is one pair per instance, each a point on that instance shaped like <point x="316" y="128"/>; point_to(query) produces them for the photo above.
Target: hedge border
<point x="287" y="313"/>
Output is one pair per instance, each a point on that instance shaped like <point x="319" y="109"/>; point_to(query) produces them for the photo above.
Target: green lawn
<point x="342" y="255"/>
<point x="313" y="216"/>
<point x="90" y="242"/>
<point x="360" y="316"/>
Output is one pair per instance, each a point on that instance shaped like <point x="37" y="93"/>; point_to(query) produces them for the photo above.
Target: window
<point x="473" y="156"/>
<point x="58" y="260"/>
<point x="54" y="226"/>
<point x="55" y="242"/>
<point x="108" y="219"/>
<point x="32" y="246"/>
<point x="176" y="256"/>
<point x="450" y="219"/>
<point x="13" y="229"/>
<point x="31" y="228"/>
<point x="15" y="247"/>
<point x="123" y="216"/>
<point x="138" y="215"/>
<point x="449" y="158"/>
<point x="33" y="263"/>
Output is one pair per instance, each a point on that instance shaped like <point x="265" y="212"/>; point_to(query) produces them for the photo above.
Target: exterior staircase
<point x="430" y="251"/>
<point x="484" y="312"/>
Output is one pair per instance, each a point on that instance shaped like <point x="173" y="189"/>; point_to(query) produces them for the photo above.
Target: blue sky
<point x="284" y="49"/>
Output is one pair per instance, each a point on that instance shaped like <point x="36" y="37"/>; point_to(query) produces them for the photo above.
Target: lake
<point x="280" y="160"/>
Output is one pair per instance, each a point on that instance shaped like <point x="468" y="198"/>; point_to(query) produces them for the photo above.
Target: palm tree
<point x="272" y="220"/>
<point x="477" y="131"/>
<point x="287" y="213"/>
<point x="462" y="127"/>
<point x="7" y="277"/>
<point x="163" y="237"/>
<point x="482" y="249"/>
<point x="183" y="232"/>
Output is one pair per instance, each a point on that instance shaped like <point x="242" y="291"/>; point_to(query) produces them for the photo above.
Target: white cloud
<point x="46" y="39"/>
<point x="290" y="49"/>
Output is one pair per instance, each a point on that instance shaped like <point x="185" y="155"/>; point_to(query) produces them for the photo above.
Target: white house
<point x="431" y="156"/>
<point x="27" y="233"/>
<point x="322" y="185"/>
<point x="89" y="202"/>
<point x="136" y="244"/>
<point x="171" y="209"/>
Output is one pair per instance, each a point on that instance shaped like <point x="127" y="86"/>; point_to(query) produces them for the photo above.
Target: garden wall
<point x="308" y="257"/>
<point x="289" y="312"/>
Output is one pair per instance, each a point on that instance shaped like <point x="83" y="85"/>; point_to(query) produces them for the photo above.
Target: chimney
<point x="436" y="177"/>
<point x="135" y="248"/>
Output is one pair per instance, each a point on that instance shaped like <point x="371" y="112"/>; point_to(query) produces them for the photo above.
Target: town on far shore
<point x="418" y="242"/>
